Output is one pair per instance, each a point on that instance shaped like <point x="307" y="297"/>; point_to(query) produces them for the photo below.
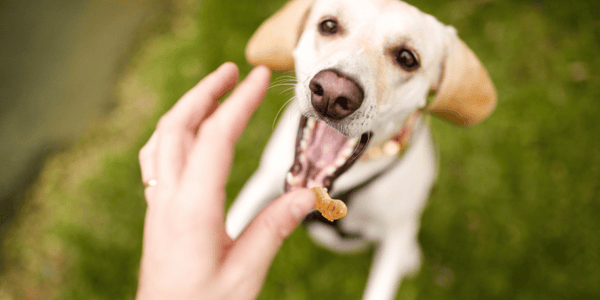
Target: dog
<point x="358" y="125"/>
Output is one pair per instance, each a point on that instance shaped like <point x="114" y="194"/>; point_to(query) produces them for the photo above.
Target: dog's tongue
<point x="325" y="146"/>
<point x="322" y="154"/>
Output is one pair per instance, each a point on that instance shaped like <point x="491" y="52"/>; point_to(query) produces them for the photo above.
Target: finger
<point x="190" y="110"/>
<point x="255" y="249"/>
<point x="200" y="203"/>
<point x="177" y="128"/>
<point x="236" y="111"/>
<point x="147" y="158"/>
<point x="212" y="152"/>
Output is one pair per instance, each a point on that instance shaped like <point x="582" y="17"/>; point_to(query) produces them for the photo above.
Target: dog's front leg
<point x="267" y="182"/>
<point x="395" y="257"/>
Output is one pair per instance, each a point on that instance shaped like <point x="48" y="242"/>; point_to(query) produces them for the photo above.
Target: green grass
<point x="514" y="214"/>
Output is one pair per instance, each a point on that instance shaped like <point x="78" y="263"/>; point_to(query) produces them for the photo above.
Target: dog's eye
<point x="406" y="59"/>
<point x="329" y="27"/>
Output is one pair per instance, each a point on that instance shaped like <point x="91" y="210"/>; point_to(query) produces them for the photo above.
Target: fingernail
<point x="259" y="69"/>
<point x="225" y="64"/>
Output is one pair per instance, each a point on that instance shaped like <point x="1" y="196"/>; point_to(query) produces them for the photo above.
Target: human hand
<point x="186" y="252"/>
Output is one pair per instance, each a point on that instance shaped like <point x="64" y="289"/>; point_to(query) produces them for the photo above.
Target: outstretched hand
<point x="185" y="164"/>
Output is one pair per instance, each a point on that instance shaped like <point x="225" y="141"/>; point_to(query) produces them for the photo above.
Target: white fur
<point x="386" y="212"/>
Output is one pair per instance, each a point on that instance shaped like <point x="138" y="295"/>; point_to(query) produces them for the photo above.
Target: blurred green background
<point x="514" y="214"/>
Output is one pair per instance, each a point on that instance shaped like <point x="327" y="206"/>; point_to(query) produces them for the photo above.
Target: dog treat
<point x="331" y="209"/>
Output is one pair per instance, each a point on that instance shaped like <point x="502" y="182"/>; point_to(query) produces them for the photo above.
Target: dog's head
<point x="365" y="65"/>
<point x="360" y="63"/>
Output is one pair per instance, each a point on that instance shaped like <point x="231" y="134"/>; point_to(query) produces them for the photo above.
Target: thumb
<point x="256" y="247"/>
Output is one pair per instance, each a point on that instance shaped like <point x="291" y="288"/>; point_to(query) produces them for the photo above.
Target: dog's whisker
<point x="286" y="77"/>
<point x="289" y="81"/>
<point x="281" y="84"/>
<point x="283" y="91"/>
<point x="284" y="80"/>
<point x="276" y="82"/>
<point x="288" y="89"/>
<point x="294" y="106"/>
<point x="280" y="109"/>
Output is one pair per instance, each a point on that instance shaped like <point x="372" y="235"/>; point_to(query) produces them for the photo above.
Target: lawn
<point x="514" y="214"/>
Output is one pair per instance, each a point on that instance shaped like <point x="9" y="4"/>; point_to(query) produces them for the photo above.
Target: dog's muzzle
<point x="335" y="95"/>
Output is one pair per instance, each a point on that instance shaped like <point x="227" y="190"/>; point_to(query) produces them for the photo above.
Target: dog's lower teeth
<point x="347" y="152"/>
<point x="291" y="179"/>
<point x="329" y="170"/>
<point x="303" y="144"/>
<point x="302" y="158"/>
<point x="352" y="142"/>
<point x="305" y="133"/>
<point x="311" y="123"/>
<point x="339" y="162"/>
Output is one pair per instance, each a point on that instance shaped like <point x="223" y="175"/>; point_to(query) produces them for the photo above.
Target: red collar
<point x="397" y="144"/>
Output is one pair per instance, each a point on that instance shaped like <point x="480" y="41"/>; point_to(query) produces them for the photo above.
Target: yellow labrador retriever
<point x="358" y="126"/>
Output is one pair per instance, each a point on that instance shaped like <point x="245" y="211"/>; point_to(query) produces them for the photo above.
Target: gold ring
<point x="151" y="182"/>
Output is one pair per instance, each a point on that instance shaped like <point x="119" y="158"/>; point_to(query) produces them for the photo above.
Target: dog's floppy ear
<point x="273" y="43"/>
<point x="465" y="93"/>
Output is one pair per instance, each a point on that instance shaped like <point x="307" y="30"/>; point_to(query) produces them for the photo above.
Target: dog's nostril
<point x="317" y="89"/>
<point x="342" y="102"/>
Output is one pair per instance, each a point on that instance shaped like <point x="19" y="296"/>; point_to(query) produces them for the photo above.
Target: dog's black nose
<point x="334" y="94"/>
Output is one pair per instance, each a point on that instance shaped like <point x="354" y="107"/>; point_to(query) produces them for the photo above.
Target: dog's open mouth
<point x="322" y="155"/>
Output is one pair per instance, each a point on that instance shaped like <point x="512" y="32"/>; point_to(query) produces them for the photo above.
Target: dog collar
<point x="397" y="144"/>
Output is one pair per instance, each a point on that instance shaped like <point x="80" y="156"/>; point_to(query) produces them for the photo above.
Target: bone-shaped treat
<point x="331" y="209"/>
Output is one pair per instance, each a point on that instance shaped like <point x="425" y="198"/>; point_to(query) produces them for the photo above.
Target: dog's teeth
<point x="329" y="170"/>
<point x="303" y="144"/>
<point x="311" y="123"/>
<point x="302" y="157"/>
<point x="352" y="142"/>
<point x="305" y="133"/>
<point x="347" y="152"/>
<point x="291" y="179"/>
<point x="340" y="161"/>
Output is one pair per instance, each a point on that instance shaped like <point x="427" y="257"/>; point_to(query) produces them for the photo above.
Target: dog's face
<point x="364" y="65"/>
